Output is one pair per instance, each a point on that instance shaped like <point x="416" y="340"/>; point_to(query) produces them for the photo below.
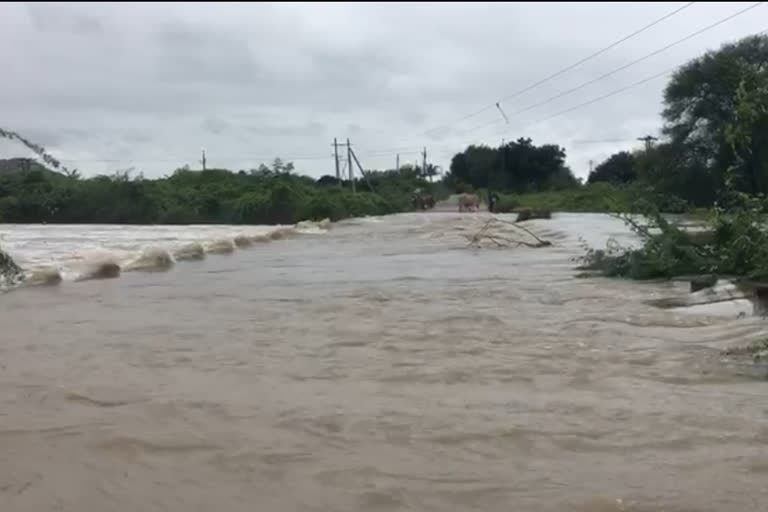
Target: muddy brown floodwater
<point x="379" y="365"/>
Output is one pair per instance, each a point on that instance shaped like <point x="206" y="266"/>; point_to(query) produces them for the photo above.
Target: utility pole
<point x="362" y="171"/>
<point x="203" y="160"/>
<point x="424" y="163"/>
<point x="336" y="159"/>
<point x="349" y="164"/>
<point x="397" y="163"/>
<point x="591" y="163"/>
<point x="648" y="139"/>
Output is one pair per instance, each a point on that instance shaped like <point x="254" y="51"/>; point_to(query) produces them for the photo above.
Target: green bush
<point x="736" y="243"/>
<point x="507" y="204"/>
<point x="323" y="206"/>
<point x="211" y="196"/>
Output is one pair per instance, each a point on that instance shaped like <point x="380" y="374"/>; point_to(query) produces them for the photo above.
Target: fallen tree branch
<point x="501" y="241"/>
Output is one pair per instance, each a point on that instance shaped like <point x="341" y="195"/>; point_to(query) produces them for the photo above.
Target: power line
<point x="637" y="61"/>
<point x="567" y="68"/>
<point x="621" y="68"/>
<point x="617" y="91"/>
<point x="404" y="150"/>
<point x="602" y="97"/>
<point x="599" y="52"/>
<point x="186" y="158"/>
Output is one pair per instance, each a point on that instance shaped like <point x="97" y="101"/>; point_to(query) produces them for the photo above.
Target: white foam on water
<point x="189" y="252"/>
<point x="313" y="228"/>
<point x="725" y="308"/>
<point x="84" y="252"/>
<point x="222" y="246"/>
<point x="151" y="260"/>
<point x="42" y="276"/>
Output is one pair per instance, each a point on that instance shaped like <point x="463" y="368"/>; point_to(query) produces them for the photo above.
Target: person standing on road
<point x="492" y="200"/>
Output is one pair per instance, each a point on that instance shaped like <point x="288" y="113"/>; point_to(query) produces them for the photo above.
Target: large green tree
<point x="517" y="166"/>
<point x="618" y="168"/>
<point x="700" y="103"/>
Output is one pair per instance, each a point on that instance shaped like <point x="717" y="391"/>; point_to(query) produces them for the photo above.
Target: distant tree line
<point x="31" y="193"/>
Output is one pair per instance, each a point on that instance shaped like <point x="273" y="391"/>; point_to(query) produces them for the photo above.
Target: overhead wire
<point x="565" y="69"/>
<point x="619" y="69"/>
<point x="615" y="92"/>
<point x="641" y="59"/>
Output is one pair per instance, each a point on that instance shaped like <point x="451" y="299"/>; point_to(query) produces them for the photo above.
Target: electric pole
<point x="202" y="161"/>
<point x="349" y="164"/>
<point x="649" y="140"/>
<point x="362" y="171"/>
<point x="424" y="163"/>
<point x="397" y="163"/>
<point x="336" y="158"/>
<point x="591" y="163"/>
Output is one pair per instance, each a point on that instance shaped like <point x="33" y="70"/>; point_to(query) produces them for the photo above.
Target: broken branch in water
<point x="522" y="228"/>
<point x="501" y="241"/>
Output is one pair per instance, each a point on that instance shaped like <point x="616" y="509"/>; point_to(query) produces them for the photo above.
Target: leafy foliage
<point x="267" y="195"/>
<point x="597" y="197"/>
<point x="687" y="169"/>
<point x="738" y="244"/>
<point x="10" y="272"/>
<point x="517" y="166"/>
<point x="618" y="168"/>
<point x="701" y="105"/>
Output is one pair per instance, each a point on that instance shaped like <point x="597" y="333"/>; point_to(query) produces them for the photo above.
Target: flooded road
<point x="378" y="365"/>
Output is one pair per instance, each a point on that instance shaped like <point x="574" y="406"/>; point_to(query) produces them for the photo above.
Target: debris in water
<point x="758" y="350"/>
<point x="104" y="270"/>
<point x="10" y="273"/>
<point x="487" y="233"/>
<point x="524" y="214"/>
<point x="747" y="360"/>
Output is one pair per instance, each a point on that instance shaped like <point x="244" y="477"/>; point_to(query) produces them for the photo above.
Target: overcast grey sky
<point x="112" y="86"/>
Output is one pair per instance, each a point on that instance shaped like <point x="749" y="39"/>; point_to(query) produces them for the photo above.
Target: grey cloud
<point x="304" y="130"/>
<point x="189" y="54"/>
<point x="48" y="136"/>
<point x="413" y="117"/>
<point x="159" y="81"/>
<point x="215" y="125"/>
<point x="48" y="16"/>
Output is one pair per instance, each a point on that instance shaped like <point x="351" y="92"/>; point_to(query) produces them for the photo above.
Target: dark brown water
<point x="378" y="366"/>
